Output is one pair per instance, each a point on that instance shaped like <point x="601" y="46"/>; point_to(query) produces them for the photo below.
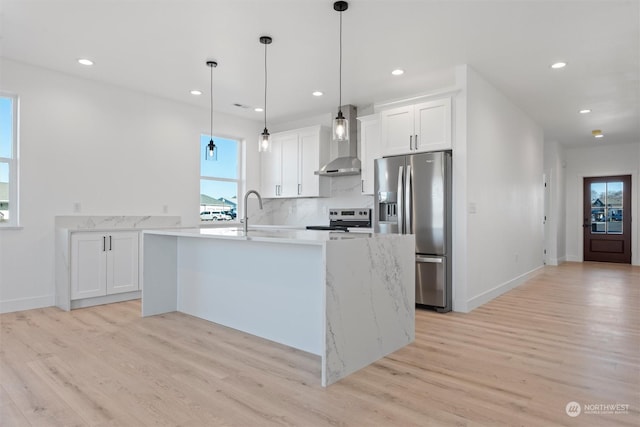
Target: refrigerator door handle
<point x="407" y="200"/>
<point x="400" y="202"/>
<point x="428" y="259"/>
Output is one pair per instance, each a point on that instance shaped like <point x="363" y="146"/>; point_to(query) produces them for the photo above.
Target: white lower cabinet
<point x="104" y="263"/>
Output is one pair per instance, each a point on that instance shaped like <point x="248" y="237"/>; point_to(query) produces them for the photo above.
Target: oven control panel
<point x="350" y="217"/>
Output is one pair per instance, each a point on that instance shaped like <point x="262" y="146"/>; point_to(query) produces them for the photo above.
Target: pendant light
<point x="211" y="151"/>
<point x="264" y="143"/>
<point x="340" y="123"/>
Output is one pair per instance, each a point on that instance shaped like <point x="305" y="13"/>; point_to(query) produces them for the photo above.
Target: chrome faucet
<point x="246" y="219"/>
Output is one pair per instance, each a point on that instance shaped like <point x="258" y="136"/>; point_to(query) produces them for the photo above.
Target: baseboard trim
<point x="107" y="299"/>
<point x="22" y="304"/>
<point x="487" y="296"/>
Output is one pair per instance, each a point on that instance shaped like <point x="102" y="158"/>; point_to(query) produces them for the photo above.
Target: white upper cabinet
<point x="271" y="169"/>
<point x="369" y="149"/>
<point x="416" y="128"/>
<point x="288" y="171"/>
<point x="290" y="168"/>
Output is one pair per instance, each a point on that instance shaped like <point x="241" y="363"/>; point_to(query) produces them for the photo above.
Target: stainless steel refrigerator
<point x="413" y="196"/>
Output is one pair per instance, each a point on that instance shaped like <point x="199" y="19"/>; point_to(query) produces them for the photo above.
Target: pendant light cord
<point x="211" y="106"/>
<point x="340" y="68"/>
<point x="265" y="86"/>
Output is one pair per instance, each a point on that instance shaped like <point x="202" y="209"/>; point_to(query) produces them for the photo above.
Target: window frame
<point x="239" y="178"/>
<point x="14" y="164"/>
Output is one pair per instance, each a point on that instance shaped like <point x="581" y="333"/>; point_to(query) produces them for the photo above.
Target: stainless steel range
<point x="341" y="219"/>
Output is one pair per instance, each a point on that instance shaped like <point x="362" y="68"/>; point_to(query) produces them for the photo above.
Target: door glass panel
<point x="606" y="207"/>
<point x="614" y="207"/>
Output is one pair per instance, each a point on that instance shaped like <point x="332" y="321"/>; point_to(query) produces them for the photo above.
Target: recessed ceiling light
<point x="258" y="109"/>
<point x="317" y="93"/>
<point x="585" y="111"/>
<point x="397" y="72"/>
<point x="597" y="133"/>
<point x="85" y="61"/>
<point x="195" y="92"/>
<point x="558" y="65"/>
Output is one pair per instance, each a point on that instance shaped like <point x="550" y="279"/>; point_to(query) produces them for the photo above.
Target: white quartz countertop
<point x="264" y="234"/>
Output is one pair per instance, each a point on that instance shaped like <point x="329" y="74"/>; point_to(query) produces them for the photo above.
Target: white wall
<point x="114" y="151"/>
<point x="555" y="203"/>
<point x="602" y="160"/>
<point x="504" y="195"/>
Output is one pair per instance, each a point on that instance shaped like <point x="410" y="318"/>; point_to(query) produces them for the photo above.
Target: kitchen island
<point x="346" y="297"/>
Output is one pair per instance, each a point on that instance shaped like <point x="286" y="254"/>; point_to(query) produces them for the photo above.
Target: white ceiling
<point x="160" y="47"/>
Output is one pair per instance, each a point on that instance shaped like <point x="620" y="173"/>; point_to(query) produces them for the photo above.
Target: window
<point x="219" y="180"/>
<point x="8" y="160"/>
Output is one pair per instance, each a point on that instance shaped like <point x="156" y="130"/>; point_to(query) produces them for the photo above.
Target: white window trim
<point x="14" y="166"/>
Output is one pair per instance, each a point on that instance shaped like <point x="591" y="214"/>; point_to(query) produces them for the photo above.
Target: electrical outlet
<point x="77" y="207"/>
<point x="165" y="208"/>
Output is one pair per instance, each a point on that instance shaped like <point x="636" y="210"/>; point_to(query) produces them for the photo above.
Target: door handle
<point x="429" y="259"/>
<point x="407" y="201"/>
<point x="104" y="243"/>
<point x="400" y="201"/>
<point x="410" y="142"/>
<point x="415" y="142"/>
<point x="110" y="247"/>
<point x="299" y="189"/>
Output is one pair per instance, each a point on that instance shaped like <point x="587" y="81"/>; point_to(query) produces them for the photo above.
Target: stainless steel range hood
<point x="346" y="161"/>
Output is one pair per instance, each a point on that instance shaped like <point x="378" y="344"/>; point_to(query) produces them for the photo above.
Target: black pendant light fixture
<point x="211" y="151"/>
<point x="340" y="124"/>
<point x="264" y="143"/>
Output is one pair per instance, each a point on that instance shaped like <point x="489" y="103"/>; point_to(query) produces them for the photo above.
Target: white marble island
<point x="346" y="297"/>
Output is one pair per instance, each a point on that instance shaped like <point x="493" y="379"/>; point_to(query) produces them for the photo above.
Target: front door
<point x="607" y="219"/>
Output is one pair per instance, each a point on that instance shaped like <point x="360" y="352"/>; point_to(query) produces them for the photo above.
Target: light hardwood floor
<point x="570" y="334"/>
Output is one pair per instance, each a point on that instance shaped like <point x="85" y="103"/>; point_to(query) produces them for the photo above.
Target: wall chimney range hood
<point x="346" y="162"/>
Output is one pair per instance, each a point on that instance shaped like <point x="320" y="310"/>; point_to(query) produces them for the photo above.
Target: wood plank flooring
<point x="571" y="333"/>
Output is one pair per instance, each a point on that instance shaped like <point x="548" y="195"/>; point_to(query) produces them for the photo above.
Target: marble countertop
<point x="267" y="234"/>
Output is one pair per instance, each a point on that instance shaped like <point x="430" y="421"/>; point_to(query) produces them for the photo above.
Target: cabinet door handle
<point x="410" y="142"/>
<point x="110" y="247"/>
<point x="362" y="185"/>
<point x="104" y="243"/>
<point x="299" y="189"/>
<point x="415" y="144"/>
